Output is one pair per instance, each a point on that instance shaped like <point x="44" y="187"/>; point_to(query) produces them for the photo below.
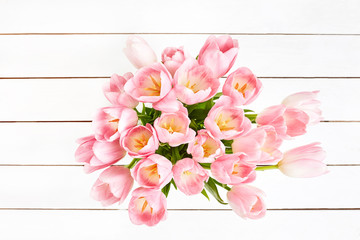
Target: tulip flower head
<point x="109" y="122"/>
<point x="219" y="54"/>
<point x="154" y="171"/>
<point x="247" y="201"/>
<point x="140" y="141"/>
<point x="147" y="206"/>
<point x="173" y="128"/>
<point x="205" y="148"/>
<point x="242" y="86"/>
<point x="139" y="53"/>
<point x="115" y="93"/>
<point x="233" y="169"/>
<point x="195" y="83"/>
<point x="304" y="162"/>
<point x="189" y="176"/>
<point x="97" y="155"/>
<point x="112" y="186"/>
<point x="261" y="145"/>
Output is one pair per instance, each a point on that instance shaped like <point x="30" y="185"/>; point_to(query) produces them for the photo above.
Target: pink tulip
<point x="97" y="155"/>
<point x="147" y="206"/>
<point x="169" y="103"/>
<point x="233" y="169"/>
<point x="304" y="162"/>
<point x="109" y="122"/>
<point x="194" y="83"/>
<point x="288" y="122"/>
<point x="139" y="53"/>
<point x="189" y="176"/>
<point x="260" y="144"/>
<point x="150" y="84"/>
<point x="205" y="148"/>
<point x="173" y="58"/>
<point x="173" y="128"/>
<point x="153" y="171"/>
<point x="247" y="201"/>
<point x="242" y="86"/>
<point x="113" y="185"/>
<point x="307" y="102"/>
<point x="225" y="121"/>
<point x="115" y="93"/>
<point x="140" y="141"/>
<point x="219" y="54"/>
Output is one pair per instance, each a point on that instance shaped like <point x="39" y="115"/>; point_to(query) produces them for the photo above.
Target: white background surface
<point x="55" y="56"/>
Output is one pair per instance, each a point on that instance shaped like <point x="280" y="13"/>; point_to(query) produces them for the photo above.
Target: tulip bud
<point x="173" y="58"/>
<point x="247" y="201"/>
<point x="307" y="102"/>
<point x="304" y="162"/>
<point x="113" y="185"/>
<point x="219" y="54"/>
<point x="139" y="53"/>
<point x="97" y="155"/>
<point x="147" y="206"/>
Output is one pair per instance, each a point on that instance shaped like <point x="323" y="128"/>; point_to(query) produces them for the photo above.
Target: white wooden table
<point x="55" y="56"/>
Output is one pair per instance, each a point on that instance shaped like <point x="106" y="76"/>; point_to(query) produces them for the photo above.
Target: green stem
<point x="263" y="168"/>
<point x="175" y="154"/>
<point x="193" y="125"/>
<point x="133" y="162"/>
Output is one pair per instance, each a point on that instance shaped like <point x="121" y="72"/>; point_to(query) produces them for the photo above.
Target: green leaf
<point x="211" y="187"/>
<point x="228" y="150"/>
<point x="166" y="189"/>
<point x="206" y="165"/>
<point x="203" y="192"/>
<point x="227" y="143"/>
<point x="173" y="183"/>
<point x="248" y="110"/>
<point x="199" y="114"/>
<point x="218" y="95"/>
<point x="251" y="117"/>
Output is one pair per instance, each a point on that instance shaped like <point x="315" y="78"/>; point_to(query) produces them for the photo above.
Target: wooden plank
<point x="91" y="225"/>
<point x="77" y="99"/>
<point x="231" y="16"/>
<point x="101" y="55"/>
<point x="54" y="143"/>
<point x="68" y="187"/>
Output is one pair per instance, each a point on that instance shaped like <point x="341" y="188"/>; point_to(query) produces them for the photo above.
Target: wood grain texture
<point x="69" y="187"/>
<point x="54" y="143"/>
<point x="205" y="16"/>
<point x="101" y="55"/>
<point x="111" y="225"/>
<point x="77" y="99"/>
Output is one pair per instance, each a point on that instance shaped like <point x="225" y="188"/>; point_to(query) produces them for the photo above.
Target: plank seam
<point x="175" y="209"/>
<point x="188" y="33"/>
<point x="81" y="165"/>
<point x="260" y="77"/>
<point x="88" y="121"/>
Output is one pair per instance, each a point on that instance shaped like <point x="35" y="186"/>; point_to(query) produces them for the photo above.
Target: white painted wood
<point x="276" y="16"/>
<point x="77" y="99"/>
<point x="69" y="187"/>
<point x="54" y="143"/>
<point x="111" y="225"/>
<point x="101" y="55"/>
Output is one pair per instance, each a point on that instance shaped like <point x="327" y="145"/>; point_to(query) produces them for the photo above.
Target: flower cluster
<point x="188" y="135"/>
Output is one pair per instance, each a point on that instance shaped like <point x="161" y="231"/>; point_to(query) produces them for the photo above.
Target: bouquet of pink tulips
<point x="188" y="136"/>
